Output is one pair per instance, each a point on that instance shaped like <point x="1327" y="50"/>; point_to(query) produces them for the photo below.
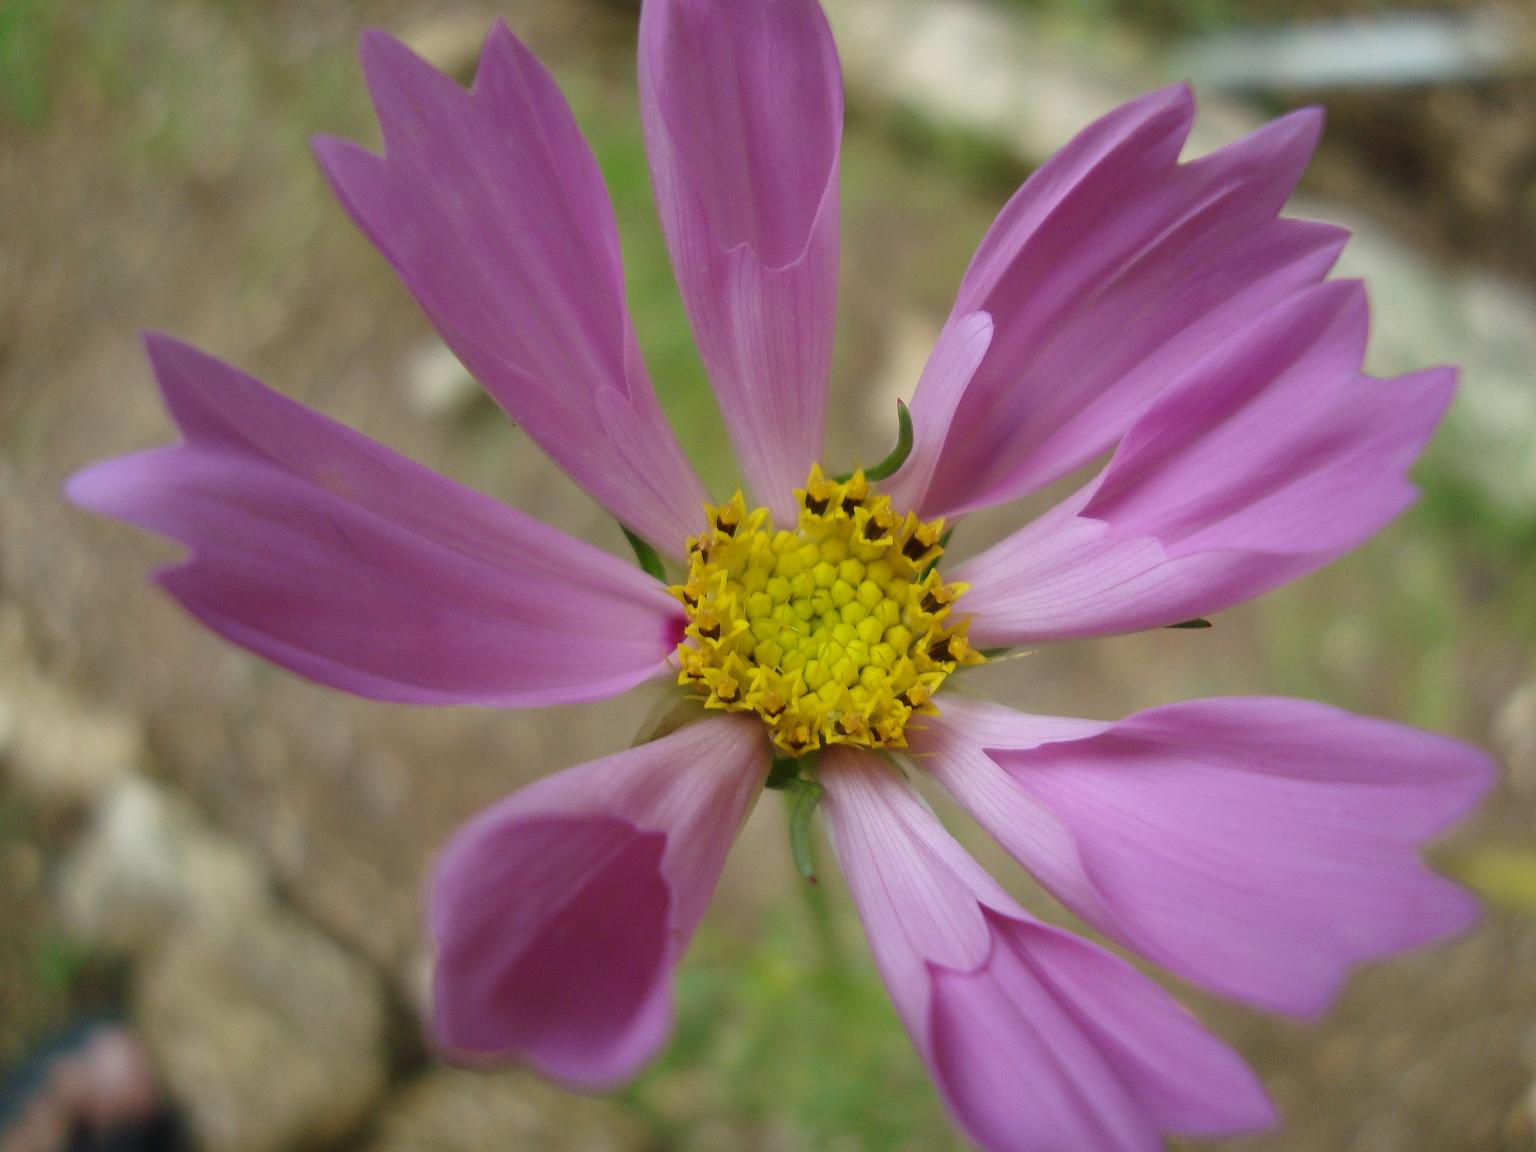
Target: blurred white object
<point x="1366" y="51"/>
<point x="149" y="867"/>
<point x="436" y="385"/>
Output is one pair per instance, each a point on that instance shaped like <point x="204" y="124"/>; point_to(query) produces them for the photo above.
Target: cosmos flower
<point x="1123" y="304"/>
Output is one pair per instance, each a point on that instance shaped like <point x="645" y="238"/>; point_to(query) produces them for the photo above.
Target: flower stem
<point x="801" y="803"/>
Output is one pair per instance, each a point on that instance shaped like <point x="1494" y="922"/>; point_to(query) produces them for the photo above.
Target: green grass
<point x="59" y="961"/>
<point x="767" y="1034"/>
<point x="28" y="31"/>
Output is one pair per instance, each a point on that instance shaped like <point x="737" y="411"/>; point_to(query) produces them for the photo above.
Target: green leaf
<point x="898" y="455"/>
<point x="645" y="555"/>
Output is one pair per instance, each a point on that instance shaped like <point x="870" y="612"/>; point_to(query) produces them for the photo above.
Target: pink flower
<point x="1122" y="303"/>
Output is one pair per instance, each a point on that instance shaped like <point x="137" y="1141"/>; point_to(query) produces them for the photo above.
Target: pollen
<point x="837" y="631"/>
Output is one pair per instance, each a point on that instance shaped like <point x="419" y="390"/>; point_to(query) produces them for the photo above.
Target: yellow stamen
<point x="835" y="632"/>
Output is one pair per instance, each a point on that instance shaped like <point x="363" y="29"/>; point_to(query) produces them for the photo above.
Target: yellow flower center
<point x="836" y="632"/>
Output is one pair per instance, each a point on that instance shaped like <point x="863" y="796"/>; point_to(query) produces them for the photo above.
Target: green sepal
<point x="807" y="796"/>
<point x="898" y="455"/>
<point x="645" y="556"/>
<point x="783" y="774"/>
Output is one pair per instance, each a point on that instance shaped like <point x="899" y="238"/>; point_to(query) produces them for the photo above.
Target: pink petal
<point x="743" y="112"/>
<point x="1259" y="847"/>
<point x="560" y="913"/>
<point x="1268" y="458"/>
<point x="1038" y="1041"/>
<point x="329" y="554"/>
<point x="490" y="206"/>
<point x="1111" y="271"/>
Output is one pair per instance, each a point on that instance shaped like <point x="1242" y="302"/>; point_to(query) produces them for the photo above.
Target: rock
<point x="150" y="866"/>
<point x="60" y="751"/>
<point x="270" y="1037"/>
<point x="269" y="1034"/>
<point x="1514" y="737"/>
<point x="436" y="385"/>
<point x="449" y="1110"/>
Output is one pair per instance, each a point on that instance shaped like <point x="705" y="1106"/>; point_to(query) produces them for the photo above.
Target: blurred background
<point x="231" y="859"/>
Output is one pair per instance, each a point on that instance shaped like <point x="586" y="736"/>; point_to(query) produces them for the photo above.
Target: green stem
<point x="833" y="962"/>
<point x="807" y="795"/>
<point x="801" y="801"/>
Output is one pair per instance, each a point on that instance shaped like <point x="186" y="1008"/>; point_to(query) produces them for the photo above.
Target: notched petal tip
<point x="1071" y="268"/>
<point x="381" y="54"/>
<point x="378" y="50"/>
<point x="744" y="115"/>
<point x="194" y="386"/>
<point x="503" y="58"/>
<point x="355" y="175"/>
<point x="1472" y="771"/>
<point x="1178" y="97"/>
<point x="1309" y="121"/>
<point x="1052" y="1043"/>
<point x="1438" y="386"/>
<point x="490" y="206"/>
<point x="335" y="154"/>
<point x="1274" y="846"/>
<point x="1168" y="110"/>
<point x="408" y="93"/>
<point x="172" y="359"/>
<point x="1038" y="1040"/>
<point x="159" y="346"/>
<point x="1287" y="141"/>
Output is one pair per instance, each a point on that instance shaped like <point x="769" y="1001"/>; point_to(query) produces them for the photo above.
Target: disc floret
<point x="837" y="631"/>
